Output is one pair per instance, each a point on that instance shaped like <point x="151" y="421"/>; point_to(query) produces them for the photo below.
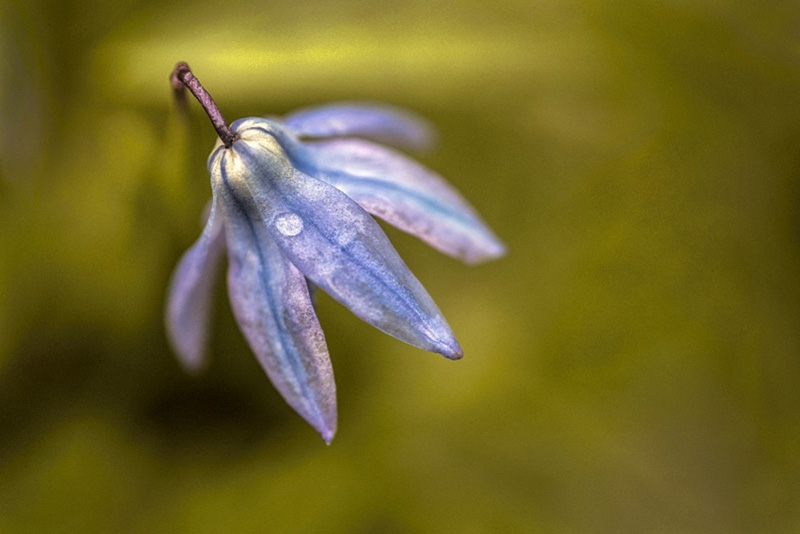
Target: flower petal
<point x="272" y="305"/>
<point x="333" y="242"/>
<point x="188" y="311"/>
<point x="384" y="124"/>
<point x="406" y="195"/>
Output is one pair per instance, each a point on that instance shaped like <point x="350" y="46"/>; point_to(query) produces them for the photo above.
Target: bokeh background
<point x="632" y="365"/>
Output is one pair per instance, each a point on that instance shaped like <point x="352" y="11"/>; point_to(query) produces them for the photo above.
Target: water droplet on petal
<point x="289" y="224"/>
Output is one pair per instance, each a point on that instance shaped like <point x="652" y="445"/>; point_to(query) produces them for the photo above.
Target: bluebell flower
<point x="292" y="203"/>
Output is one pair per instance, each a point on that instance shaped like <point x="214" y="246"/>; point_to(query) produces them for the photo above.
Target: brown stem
<point x="181" y="79"/>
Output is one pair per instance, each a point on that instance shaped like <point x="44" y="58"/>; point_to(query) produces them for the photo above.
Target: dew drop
<point x="289" y="224"/>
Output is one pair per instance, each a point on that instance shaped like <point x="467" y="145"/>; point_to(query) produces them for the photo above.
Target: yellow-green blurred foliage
<point x="633" y="365"/>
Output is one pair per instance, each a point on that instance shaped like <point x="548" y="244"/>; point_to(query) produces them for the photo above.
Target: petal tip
<point x="493" y="250"/>
<point x="498" y="251"/>
<point x="191" y="353"/>
<point x="194" y="367"/>
<point x="451" y="350"/>
<point x="327" y="433"/>
<point x="325" y="422"/>
<point x="327" y="437"/>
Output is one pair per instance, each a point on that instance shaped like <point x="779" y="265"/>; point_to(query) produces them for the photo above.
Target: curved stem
<point x="181" y="79"/>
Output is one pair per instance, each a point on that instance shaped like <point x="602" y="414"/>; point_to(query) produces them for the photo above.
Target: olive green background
<point x="632" y="365"/>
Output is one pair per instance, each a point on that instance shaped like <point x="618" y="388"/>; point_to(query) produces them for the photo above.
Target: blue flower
<point x="292" y="203"/>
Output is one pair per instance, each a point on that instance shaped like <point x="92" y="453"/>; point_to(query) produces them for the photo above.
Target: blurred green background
<point x="633" y="365"/>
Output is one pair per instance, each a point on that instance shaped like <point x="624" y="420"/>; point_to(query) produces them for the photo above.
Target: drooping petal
<point x="188" y="311"/>
<point x="273" y="308"/>
<point x="380" y="123"/>
<point x="333" y="242"/>
<point x="405" y="194"/>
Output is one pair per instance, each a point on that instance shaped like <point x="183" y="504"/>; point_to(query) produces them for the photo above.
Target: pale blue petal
<point x="273" y="308"/>
<point x="405" y="194"/>
<point x="334" y="242"/>
<point x="188" y="310"/>
<point x="380" y="123"/>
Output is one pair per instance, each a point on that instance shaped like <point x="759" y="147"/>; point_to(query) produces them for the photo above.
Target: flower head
<point x="292" y="203"/>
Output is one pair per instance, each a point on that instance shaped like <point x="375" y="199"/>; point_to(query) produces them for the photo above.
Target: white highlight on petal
<point x="289" y="224"/>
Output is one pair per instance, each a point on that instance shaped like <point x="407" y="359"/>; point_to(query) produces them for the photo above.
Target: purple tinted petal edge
<point x="382" y="123"/>
<point x="189" y="298"/>
<point x="407" y="195"/>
